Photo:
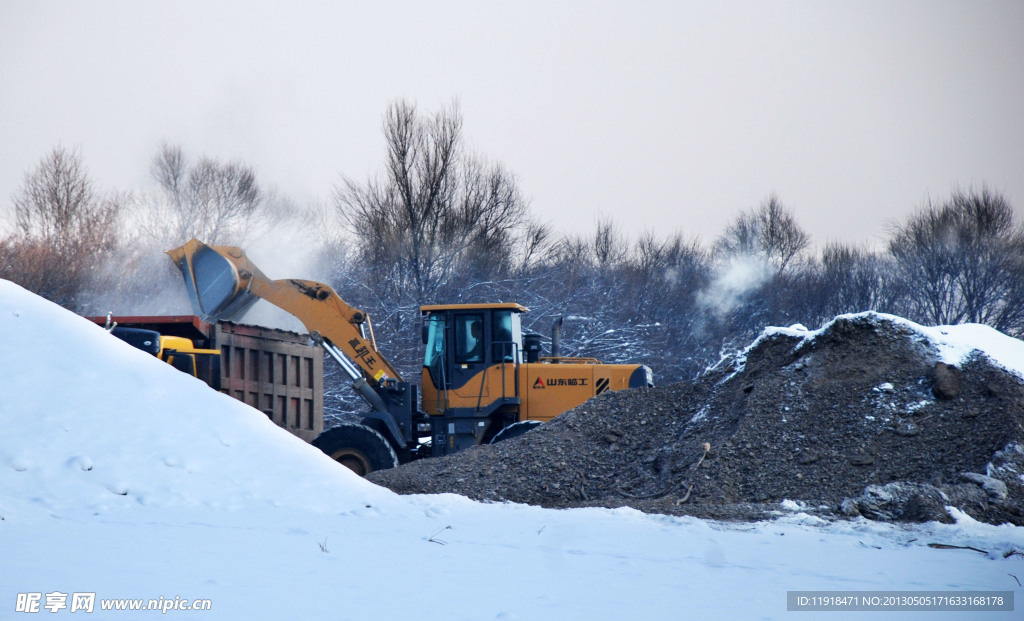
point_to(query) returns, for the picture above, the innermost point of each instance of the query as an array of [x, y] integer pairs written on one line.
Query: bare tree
[[63, 229], [962, 261], [57, 204], [853, 279], [770, 232], [597, 256], [664, 276], [209, 199], [168, 169], [436, 212], [535, 242]]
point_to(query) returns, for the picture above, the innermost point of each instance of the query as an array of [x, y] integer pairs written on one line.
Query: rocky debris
[[863, 419], [917, 502], [996, 489], [914, 502], [945, 381]]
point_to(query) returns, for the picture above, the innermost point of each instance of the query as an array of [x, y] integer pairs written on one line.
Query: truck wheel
[[357, 447], [515, 430]]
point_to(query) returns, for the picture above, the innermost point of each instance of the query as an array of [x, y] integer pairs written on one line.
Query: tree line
[[441, 224]]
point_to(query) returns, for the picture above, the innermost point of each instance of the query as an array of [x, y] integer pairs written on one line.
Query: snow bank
[[92, 423]]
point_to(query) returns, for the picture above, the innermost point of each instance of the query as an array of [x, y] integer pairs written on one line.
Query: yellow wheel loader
[[483, 380]]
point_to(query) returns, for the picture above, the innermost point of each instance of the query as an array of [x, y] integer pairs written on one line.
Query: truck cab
[[179, 352]]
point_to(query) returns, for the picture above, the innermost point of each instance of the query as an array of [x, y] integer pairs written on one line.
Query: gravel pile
[[863, 419]]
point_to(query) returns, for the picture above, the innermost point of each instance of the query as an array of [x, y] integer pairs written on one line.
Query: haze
[[662, 116]]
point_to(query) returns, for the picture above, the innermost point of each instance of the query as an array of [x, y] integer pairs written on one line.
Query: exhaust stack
[[556, 338]]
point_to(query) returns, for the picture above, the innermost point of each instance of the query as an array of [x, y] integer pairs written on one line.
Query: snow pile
[[93, 423], [124, 479]]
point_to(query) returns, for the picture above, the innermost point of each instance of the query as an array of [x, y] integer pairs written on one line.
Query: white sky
[[662, 116]]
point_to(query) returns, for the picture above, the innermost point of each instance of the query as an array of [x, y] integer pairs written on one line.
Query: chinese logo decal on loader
[[562, 381]]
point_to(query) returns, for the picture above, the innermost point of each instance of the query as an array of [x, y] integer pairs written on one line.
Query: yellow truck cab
[[177, 351], [182, 354]]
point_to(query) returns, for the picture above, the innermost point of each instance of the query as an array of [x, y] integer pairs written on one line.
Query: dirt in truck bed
[[861, 419]]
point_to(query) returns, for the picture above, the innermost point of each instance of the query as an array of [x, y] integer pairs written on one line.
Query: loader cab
[[464, 339]]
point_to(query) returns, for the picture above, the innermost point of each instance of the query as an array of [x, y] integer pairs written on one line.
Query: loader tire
[[357, 447], [515, 430]]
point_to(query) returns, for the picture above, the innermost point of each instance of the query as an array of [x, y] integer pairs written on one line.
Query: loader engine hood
[[216, 288]]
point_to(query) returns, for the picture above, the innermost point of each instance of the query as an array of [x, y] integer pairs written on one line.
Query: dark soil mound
[[863, 418]]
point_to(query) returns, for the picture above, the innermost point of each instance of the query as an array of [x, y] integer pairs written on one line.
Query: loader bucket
[[212, 280]]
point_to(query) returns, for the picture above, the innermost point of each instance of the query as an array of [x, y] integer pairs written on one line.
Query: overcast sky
[[664, 116]]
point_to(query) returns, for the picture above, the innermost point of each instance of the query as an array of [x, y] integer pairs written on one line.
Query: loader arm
[[223, 284]]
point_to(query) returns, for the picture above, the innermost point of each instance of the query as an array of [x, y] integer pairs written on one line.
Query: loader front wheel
[[357, 447]]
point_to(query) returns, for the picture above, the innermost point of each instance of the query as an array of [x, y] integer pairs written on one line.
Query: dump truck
[[483, 380], [278, 372]]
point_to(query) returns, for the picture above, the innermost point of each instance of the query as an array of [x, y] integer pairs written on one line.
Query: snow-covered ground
[[125, 479]]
